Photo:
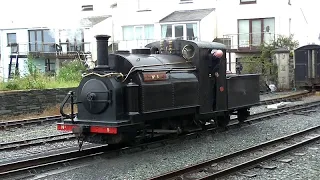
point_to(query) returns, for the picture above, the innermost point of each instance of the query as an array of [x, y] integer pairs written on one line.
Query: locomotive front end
[[99, 100]]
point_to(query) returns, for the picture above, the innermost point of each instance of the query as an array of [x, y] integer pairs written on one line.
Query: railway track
[[69, 136], [287, 98], [67, 156], [58, 118], [250, 157], [23, 122], [13, 145]]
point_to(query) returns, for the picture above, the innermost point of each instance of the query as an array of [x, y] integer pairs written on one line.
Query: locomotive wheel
[[243, 114], [223, 121]]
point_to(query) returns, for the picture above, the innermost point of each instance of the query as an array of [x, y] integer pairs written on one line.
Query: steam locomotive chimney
[[102, 51]]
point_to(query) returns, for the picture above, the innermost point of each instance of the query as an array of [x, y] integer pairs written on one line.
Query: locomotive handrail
[[175, 70], [151, 65], [162, 69], [69, 95], [104, 75]]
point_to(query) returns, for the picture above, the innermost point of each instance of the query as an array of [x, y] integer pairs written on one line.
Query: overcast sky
[[50, 13]]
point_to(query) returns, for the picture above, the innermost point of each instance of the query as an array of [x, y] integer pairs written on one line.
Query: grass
[[40, 83], [69, 76], [50, 111]]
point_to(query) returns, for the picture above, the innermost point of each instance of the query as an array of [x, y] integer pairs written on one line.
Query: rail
[[23, 122], [24, 166], [265, 148], [35, 141], [57, 118], [287, 98]]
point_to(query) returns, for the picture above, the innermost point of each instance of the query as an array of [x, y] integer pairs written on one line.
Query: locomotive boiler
[[170, 86]]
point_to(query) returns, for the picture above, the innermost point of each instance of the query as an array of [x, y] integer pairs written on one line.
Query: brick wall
[[30, 101]]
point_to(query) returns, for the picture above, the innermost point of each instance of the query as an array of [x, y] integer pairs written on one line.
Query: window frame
[[184, 24], [36, 41], [185, 1], [11, 43], [249, 2], [250, 46], [134, 38], [48, 64]]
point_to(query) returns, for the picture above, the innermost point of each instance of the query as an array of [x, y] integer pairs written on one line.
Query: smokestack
[[102, 50]]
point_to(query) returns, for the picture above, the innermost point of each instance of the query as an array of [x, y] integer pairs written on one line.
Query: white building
[[49, 46], [244, 24], [136, 23], [240, 24]]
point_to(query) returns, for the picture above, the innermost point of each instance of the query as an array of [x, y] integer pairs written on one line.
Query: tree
[[263, 63]]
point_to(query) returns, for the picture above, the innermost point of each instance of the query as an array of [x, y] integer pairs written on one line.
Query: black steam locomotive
[[170, 86]]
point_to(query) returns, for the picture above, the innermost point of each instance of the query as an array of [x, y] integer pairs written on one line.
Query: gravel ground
[[6, 156], [303, 164], [150, 163], [28, 132]]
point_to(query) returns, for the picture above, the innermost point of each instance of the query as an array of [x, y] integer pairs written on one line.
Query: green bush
[[71, 71], [69, 76]]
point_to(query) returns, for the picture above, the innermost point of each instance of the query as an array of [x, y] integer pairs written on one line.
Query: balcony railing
[[49, 48], [247, 41]]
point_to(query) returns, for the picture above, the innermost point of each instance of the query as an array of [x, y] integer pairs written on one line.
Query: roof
[[93, 20], [187, 15], [307, 47]]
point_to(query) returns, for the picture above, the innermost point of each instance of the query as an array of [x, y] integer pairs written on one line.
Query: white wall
[[22, 37], [126, 12], [104, 27], [229, 11], [208, 27]]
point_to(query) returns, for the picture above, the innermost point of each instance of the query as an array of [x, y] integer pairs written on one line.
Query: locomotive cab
[[213, 96]]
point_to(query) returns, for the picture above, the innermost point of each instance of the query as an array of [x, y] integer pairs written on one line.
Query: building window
[[72, 39], [87, 8], [254, 32], [145, 32], [49, 65], [41, 40], [248, 1], [187, 31], [186, 1], [12, 38]]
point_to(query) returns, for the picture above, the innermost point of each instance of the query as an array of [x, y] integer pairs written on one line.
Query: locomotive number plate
[[154, 76]]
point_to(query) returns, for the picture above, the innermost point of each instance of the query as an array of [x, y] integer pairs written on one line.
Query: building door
[[301, 65], [256, 32]]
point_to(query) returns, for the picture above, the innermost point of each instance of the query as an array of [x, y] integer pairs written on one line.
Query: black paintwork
[[191, 87], [307, 72], [210, 95], [242, 90], [102, 50]]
